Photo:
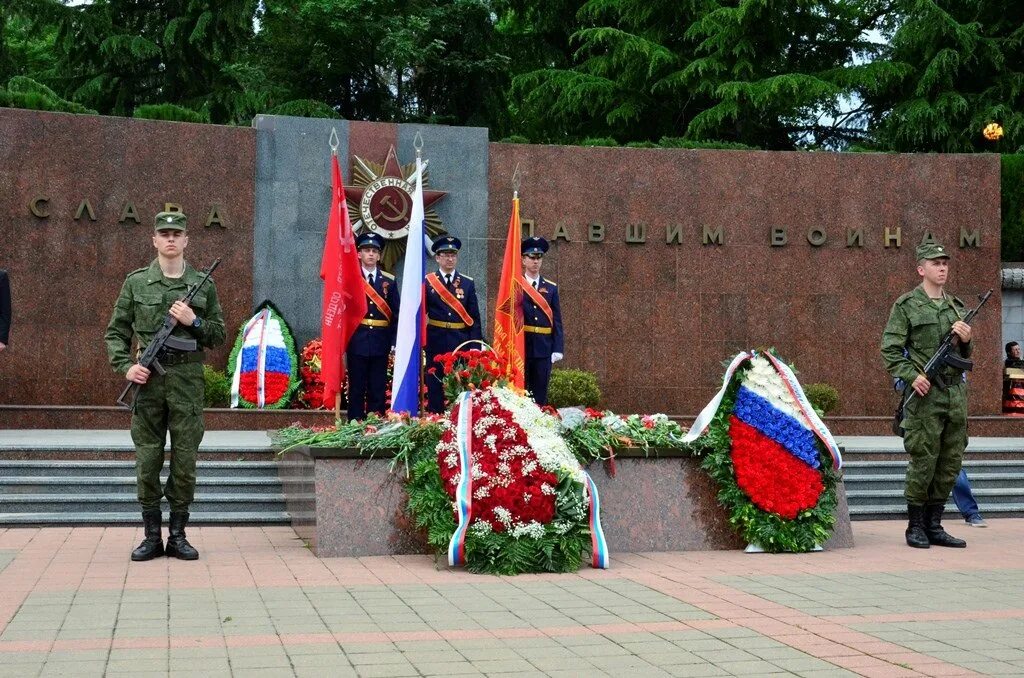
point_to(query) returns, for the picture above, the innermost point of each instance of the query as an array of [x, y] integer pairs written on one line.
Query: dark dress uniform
[[372, 343], [542, 337], [446, 330], [171, 402], [935, 425]]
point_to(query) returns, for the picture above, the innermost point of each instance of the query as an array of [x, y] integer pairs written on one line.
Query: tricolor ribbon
[[703, 419], [264, 316], [598, 545], [464, 490], [261, 361], [811, 417]]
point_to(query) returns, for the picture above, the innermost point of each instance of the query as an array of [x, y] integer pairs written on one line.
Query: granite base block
[[346, 505]]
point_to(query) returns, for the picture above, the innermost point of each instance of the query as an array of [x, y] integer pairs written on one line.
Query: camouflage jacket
[[145, 298], [918, 324]]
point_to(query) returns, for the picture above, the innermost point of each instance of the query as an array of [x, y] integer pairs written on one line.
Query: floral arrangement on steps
[[311, 388], [774, 460], [263, 365]]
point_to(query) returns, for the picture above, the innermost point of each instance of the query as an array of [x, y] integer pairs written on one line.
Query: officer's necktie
[[534, 284], [447, 280], [369, 278]]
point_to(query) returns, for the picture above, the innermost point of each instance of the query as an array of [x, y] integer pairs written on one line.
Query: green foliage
[[762, 73], [599, 141], [680, 142], [1013, 207], [170, 112], [570, 388], [304, 108], [958, 66], [824, 397], [24, 92], [218, 387]]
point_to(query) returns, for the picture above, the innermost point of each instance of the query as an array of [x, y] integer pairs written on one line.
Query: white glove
[[555, 357]]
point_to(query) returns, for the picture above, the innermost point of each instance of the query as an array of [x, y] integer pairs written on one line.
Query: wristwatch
[[197, 323]]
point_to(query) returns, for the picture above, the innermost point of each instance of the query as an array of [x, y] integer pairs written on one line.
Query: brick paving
[[259, 603]]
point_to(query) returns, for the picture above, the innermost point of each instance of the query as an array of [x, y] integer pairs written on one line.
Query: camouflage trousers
[[935, 435], [169, 403]]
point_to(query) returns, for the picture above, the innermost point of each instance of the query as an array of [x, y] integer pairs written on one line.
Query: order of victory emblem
[[382, 197]]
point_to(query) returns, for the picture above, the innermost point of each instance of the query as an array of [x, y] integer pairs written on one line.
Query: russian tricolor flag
[[405, 388]]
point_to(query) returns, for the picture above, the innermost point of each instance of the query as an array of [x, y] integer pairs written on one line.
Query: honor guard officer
[[374, 339], [542, 316], [453, 316], [935, 420], [171, 402]]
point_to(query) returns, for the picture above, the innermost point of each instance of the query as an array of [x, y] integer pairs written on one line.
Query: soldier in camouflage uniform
[[173, 401], [935, 420]]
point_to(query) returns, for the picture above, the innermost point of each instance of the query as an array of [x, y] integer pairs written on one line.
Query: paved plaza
[[259, 603]]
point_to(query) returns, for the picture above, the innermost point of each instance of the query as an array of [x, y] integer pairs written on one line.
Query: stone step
[[859, 469], [951, 516], [133, 518], [986, 496], [876, 448], [127, 502], [124, 484], [111, 468], [890, 481]]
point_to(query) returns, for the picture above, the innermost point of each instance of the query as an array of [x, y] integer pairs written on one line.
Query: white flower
[[530, 529], [451, 460], [572, 417], [482, 492], [546, 488], [480, 527], [503, 514]]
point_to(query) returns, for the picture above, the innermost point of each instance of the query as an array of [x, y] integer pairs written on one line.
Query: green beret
[[931, 251], [170, 221]]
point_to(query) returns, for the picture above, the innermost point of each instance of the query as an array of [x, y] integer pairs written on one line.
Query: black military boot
[[153, 545], [916, 536], [933, 528], [177, 545]]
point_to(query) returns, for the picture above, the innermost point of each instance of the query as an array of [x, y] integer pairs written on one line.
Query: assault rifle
[[150, 358], [944, 356]]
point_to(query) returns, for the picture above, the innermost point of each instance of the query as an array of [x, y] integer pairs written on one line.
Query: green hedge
[[171, 112], [1013, 207], [572, 388]]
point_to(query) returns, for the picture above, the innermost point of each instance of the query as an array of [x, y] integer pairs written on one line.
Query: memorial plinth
[[344, 504]]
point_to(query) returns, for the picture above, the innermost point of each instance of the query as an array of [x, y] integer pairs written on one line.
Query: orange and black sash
[[537, 298], [373, 296], [447, 297]]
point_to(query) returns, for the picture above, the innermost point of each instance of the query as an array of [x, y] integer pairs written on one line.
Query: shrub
[[218, 387], [679, 142], [26, 93], [569, 388], [599, 141], [171, 112], [824, 397], [304, 108]]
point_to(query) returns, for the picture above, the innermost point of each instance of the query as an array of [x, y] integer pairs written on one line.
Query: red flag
[[509, 335], [344, 303]]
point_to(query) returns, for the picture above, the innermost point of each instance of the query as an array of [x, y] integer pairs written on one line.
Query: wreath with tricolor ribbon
[[263, 364], [774, 459]]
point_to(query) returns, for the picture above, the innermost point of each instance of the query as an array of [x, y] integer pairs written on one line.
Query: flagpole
[[334, 142], [417, 143]]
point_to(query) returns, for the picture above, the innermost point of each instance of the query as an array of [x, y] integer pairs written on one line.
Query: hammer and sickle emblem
[[401, 212]]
